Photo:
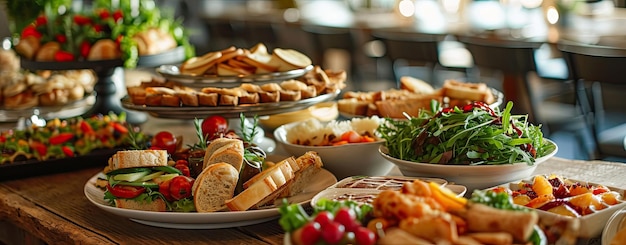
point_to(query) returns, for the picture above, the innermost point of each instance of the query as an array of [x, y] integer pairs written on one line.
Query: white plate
[[179, 220]]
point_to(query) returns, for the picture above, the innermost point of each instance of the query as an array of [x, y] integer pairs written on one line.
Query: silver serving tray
[[251, 110], [72, 109], [172, 72]]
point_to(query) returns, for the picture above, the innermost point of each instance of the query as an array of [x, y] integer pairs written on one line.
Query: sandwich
[[143, 180]]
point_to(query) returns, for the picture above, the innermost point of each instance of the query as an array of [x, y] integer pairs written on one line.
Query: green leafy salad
[[474, 134]]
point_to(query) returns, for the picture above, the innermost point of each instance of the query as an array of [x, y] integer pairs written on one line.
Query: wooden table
[[54, 209]]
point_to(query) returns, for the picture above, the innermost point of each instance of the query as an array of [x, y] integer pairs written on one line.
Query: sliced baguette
[[213, 186], [255, 193], [136, 158], [224, 150], [157, 205], [289, 59], [286, 173], [307, 165]]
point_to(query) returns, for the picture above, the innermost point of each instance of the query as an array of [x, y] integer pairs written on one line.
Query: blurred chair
[[513, 60], [326, 39], [599, 75], [410, 52]]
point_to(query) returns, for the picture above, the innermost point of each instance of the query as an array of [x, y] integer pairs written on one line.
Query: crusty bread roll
[[136, 158], [224, 150], [469, 91], [208, 99], [156, 205], [415, 85], [104, 49], [289, 59], [213, 186], [154, 41], [28, 47], [47, 51]]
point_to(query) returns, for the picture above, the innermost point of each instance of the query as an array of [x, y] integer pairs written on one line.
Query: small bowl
[[589, 226], [324, 112], [343, 160], [473, 177]]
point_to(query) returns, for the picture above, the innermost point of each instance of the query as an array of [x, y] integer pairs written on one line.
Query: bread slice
[[213, 186], [469, 91], [289, 59], [157, 205], [136, 158], [255, 193], [416, 85], [308, 165], [286, 172], [224, 150]]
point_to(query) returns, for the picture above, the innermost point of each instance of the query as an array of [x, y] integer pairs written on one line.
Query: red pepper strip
[[63, 56], [61, 138], [81, 20], [120, 128], [39, 147], [67, 151], [86, 128]]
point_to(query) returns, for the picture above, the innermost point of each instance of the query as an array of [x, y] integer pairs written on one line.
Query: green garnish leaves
[[473, 134]]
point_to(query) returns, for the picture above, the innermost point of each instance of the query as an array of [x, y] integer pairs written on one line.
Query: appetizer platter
[[64, 145], [173, 73], [228, 111], [213, 220], [560, 201], [415, 95], [236, 65]]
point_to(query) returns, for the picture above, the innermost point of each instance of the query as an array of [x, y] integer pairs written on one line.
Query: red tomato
[[164, 140], [125, 191], [213, 126], [180, 187], [183, 168], [164, 188]]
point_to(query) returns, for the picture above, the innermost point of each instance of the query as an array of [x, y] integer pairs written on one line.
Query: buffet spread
[[227, 180]]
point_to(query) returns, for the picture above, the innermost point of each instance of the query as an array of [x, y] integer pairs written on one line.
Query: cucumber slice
[[130, 177], [168, 169], [127, 171], [150, 176], [165, 177], [146, 184]]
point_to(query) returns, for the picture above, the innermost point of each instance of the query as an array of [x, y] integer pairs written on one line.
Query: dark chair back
[[412, 49], [514, 59], [593, 68]]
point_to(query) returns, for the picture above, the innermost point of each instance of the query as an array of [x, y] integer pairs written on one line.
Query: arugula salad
[[474, 134]]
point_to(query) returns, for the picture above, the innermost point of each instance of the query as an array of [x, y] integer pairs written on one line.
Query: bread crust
[[136, 158], [213, 186], [224, 150]]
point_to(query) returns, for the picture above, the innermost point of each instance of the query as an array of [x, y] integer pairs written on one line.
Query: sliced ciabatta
[[214, 186], [136, 158], [224, 150]]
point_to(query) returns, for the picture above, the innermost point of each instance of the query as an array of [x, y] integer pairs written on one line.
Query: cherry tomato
[[213, 126], [311, 232], [183, 168], [164, 188], [125, 191], [323, 218], [180, 187], [347, 217], [164, 140], [333, 232], [364, 236]]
